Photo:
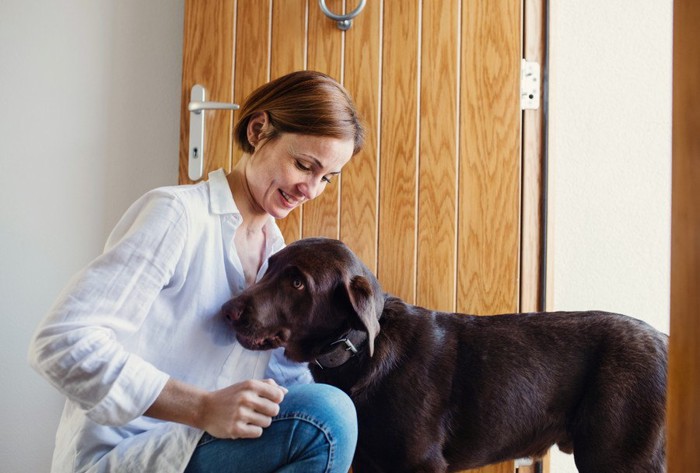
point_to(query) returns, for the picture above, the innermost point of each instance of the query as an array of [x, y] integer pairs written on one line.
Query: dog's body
[[440, 392]]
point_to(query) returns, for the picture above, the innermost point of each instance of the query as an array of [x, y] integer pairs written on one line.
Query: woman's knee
[[326, 403], [333, 414]]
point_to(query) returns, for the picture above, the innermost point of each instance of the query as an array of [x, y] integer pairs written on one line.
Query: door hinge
[[529, 85]]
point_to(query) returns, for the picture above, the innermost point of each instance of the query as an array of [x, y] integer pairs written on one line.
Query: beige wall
[[610, 158]]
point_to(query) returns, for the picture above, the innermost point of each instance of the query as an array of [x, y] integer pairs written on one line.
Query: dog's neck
[[342, 349]]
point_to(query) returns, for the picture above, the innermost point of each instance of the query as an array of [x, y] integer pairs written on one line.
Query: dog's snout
[[233, 309]]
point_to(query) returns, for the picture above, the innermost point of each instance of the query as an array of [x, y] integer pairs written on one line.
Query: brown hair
[[302, 102]]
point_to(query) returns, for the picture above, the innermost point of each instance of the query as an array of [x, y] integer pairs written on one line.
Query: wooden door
[[433, 202]]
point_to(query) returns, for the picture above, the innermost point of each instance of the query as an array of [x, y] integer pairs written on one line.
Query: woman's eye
[[302, 166], [298, 284], [305, 168]]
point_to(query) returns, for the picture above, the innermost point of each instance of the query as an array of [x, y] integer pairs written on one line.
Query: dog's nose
[[233, 309]]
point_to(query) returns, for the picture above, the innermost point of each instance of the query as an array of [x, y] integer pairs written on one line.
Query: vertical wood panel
[[288, 54], [320, 217], [288, 42], [398, 148], [359, 187], [490, 169], [252, 51], [207, 60], [489, 186], [684, 351], [438, 156]]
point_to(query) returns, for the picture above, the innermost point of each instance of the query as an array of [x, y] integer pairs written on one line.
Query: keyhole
[[195, 152]]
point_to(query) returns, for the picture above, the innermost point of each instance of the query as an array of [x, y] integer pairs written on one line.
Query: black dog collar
[[342, 349]]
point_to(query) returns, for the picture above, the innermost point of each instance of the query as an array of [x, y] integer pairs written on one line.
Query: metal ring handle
[[344, 21]]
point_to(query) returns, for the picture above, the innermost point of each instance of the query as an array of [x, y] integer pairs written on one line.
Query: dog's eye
[[298, 284]]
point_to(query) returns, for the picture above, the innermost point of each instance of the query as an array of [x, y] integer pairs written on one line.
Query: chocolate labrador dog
[[440, 392]]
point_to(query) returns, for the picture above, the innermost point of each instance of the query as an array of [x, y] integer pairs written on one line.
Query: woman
[[154, 379]]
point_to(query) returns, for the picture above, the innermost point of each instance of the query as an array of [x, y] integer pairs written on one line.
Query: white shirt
[[145, 310]]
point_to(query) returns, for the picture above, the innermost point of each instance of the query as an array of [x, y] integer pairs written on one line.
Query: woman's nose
[[312, 188]]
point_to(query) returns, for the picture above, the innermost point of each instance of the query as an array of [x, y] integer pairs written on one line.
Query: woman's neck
[[254, 217]]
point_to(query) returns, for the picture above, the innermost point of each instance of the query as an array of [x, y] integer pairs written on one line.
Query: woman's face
[[291, 169]]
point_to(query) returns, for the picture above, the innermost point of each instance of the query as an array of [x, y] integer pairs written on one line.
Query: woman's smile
[[293, 202]]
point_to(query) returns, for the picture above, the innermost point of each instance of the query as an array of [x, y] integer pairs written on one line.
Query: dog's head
[[314, 290]]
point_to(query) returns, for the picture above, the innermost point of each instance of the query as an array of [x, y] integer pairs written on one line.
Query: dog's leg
[[619, 431]]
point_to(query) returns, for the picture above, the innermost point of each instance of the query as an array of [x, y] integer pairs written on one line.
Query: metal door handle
[[197, 119], [197, 107]]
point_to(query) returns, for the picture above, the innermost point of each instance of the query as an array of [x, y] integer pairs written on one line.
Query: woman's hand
[[242, 410]]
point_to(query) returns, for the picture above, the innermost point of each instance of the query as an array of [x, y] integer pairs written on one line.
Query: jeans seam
[[326, 433]]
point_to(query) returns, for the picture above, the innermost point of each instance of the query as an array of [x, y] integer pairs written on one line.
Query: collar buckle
[[348, 345], [341, 350]]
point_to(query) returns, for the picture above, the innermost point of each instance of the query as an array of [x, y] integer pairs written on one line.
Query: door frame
[[683, 413]]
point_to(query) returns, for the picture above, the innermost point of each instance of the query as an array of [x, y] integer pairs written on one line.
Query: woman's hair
[[302, 102]]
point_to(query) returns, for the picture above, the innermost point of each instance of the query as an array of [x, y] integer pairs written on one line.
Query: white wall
[[89, 120], [610, 157]]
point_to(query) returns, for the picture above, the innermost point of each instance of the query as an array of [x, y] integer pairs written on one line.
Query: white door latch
[[196, 106], [529, 85]]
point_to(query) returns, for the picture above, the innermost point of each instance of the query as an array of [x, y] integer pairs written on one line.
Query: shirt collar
[[220, 197]]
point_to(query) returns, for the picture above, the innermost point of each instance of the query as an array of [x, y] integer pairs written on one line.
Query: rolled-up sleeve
[[78, 347]]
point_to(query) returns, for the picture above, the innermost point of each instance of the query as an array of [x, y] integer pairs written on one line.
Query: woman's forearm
[[179, 402]]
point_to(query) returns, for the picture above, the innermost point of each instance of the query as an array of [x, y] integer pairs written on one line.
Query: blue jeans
[[314, 432]]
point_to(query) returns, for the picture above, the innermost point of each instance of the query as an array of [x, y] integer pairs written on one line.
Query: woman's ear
[[257, 126]]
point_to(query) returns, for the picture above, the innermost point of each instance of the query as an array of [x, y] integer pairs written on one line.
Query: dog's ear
[[363, 300]]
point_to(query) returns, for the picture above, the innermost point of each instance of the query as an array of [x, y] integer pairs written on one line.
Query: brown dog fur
[[440, 392]]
